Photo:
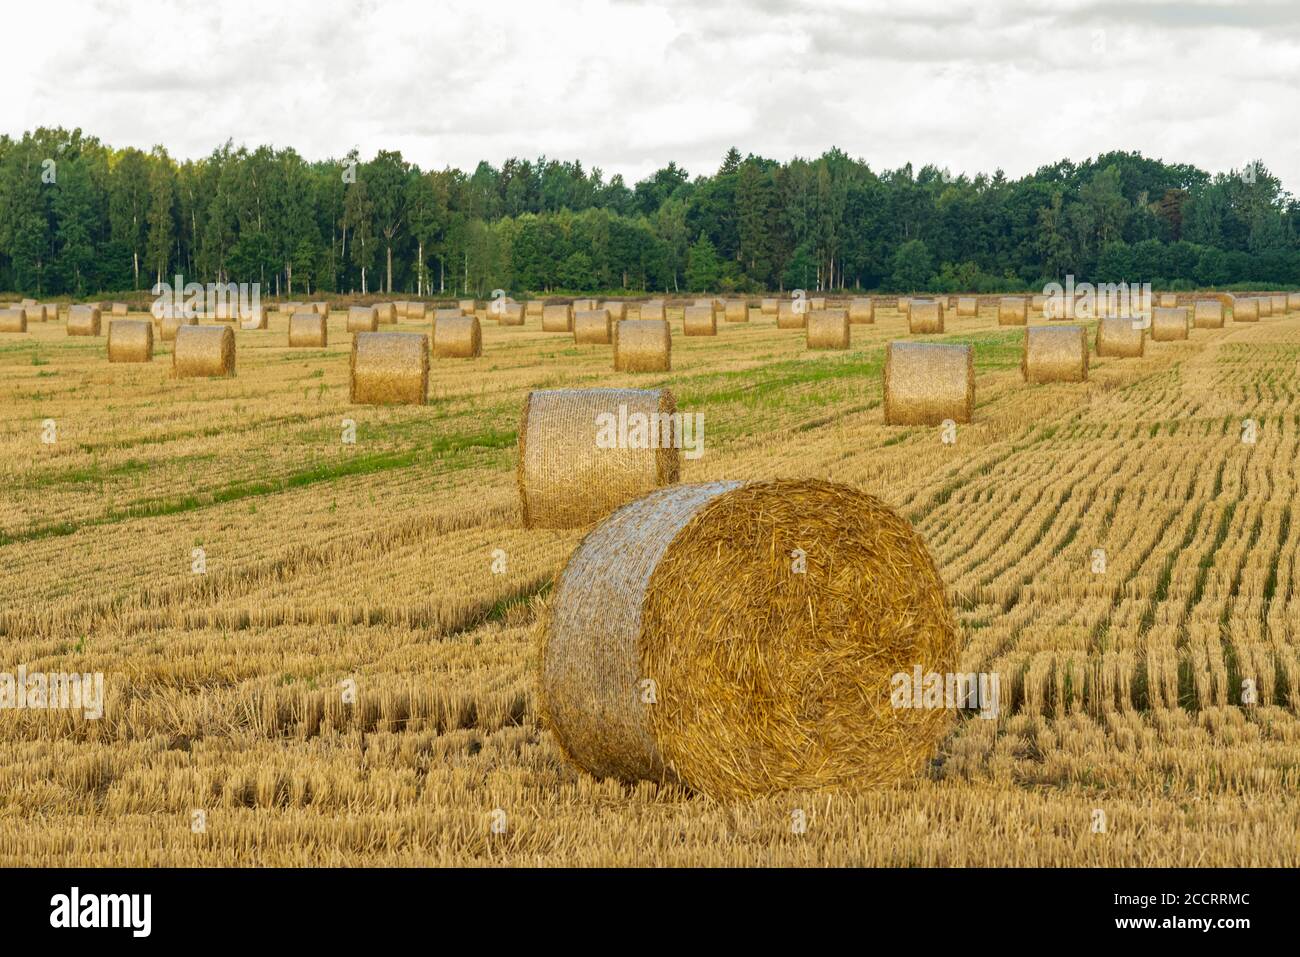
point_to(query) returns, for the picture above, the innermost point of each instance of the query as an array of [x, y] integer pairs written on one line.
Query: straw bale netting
[[968, 306], [1208, 314], [1279, 306], [653, 310], [764, 680], [643, 345], [570, 474], [533, 310], [792, 314], [1013, 311], [768, 307], [557, 317], [15, 320], [307, 329], [362, 319], [508, 313], [1167, 300], [119, 308], [467, 307], [254, 318], [1055, 354], [617, 310], [736, 310], [386, 313], [201, 351], [1245, 310], [1120, 338], [700, 321], [389, 368], [828, 329], [862, 311], [415, 310], [83, 321], [928, 382], [1168, 323], [130, 340], [925, 316], [593, 327], [460, 338]]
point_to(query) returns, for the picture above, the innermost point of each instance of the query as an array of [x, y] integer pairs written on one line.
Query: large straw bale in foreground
[[700, 321], [593, 327], [862, 311], [643, 345], [362, 319], [460, 338], [828, 329], [15, 320], [1208, 314], [83, 321], [389, 368], [792, 314], [1055, 354], [926, 383], [736, 310], [308, 329], [1120, 338], [654, 309], [130, 340], [569, 472], [1013, 311], [201, 351], [1168, 323], [1245, 309], [681, 647], [557, 317], [924, 316]]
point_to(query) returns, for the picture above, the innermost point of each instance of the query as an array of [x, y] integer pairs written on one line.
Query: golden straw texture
[[201, 351], [119, 308], [1167, 300], [1208, 314], [1245, 309], [15, 320], [736, 310], [130, 340], [862, 311], [643, 345], [926, 383], [385, 313], [1120, 338], [653, 310], [792, 314], [968, 306], [1013, 311], [460, 338], [362, 319], [924, 316], [83, 321], [593, 327], [768, 307], [557, 317], [617, 310], [467, 306], [568, 471], [700, 321], [533, 310], [828, 329], [1055, 354], [308, 329], [1168, 323], [389, 368]]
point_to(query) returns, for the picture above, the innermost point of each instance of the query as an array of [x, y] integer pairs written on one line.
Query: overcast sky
[[629, 84]]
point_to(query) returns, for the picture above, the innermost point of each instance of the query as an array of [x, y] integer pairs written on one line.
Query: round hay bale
[[570, 473], [764, 680], [459, 338], [584, 305], [168, 325], [130, 340], [119, 309], [533, 310], [467, 307], [289, 308], [557, 317], [792, 314], [415, 311], [389, 368], [1121, 338], [386, 313], [1168, 323], [451, 313], [203, 351], [593, 327], [1013, 311], [508, 314], [1055, 354], [926, 383], [1167, 300], [643, 345], [1293, 301], [1207, 314], [862, 311], [617, 310], [1265, 306], [253, 318], [903, 305], [735, 310], [924, 316], [828, 329], [323, 309], [83, 321], [27, 302], [968, 306], [1036, 303], [1245, 309], [15, 320], [768, 307], [653, 310], [1279, 305], [34, 313], [817, 304], [308, 330], [700, 321], [51, 311], [362, 319]]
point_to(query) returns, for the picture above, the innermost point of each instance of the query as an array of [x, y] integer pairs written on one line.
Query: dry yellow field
[[332, 566]]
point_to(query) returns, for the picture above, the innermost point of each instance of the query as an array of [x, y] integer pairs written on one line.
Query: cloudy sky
[[629, 84]]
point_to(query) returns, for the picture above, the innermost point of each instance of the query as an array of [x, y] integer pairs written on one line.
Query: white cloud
[[629, 85]]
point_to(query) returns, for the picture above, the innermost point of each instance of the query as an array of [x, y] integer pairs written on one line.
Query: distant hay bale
[[51, 312], [817, 304], [1208, 314], [764, 681], [700, 321], [533, 310], [203, 351], [768, 307], [119, 308], [130, 340], [449, 313], [617, 310], [928, 382], [83, 321], [557, 317], [925, 317], [1055, 354], [15, 320], [1013, 311], [1245, 309], [968, 306], [1167, 300], [709, 302], [1037, 303], [401, 305], [1265, 305], [570, 474], [828, 329], [467, 307], [862, 311], [643, 345], [308, 329], [460, 338], [1168, 323], [34, 313], [1293, 301], [323, 308], [27, 302], [1120, 338], [792, 314], [584, 305], [168, 324], [903, 305], [593, 327], [386, 313], [389, 368], [289, 308], [736, 310], [653, 310], [508, 313], [362, 319], [415, 310], [1279, 306]]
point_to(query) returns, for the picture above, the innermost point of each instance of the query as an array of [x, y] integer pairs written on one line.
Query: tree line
[[78, 217]]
